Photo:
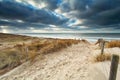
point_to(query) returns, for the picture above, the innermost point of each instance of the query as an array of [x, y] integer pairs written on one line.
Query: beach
[[59, 39], [74, 62]]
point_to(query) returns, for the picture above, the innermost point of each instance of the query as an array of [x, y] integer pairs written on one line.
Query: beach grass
[[102, 57], [20, 53], [13, 38], [9, 58], [115, 43]]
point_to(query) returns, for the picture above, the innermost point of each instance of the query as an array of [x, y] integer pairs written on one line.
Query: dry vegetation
[[49, 46], [101, 58], [9, 59], [13, 38], [12, 57], [112, 44], [107, 57]]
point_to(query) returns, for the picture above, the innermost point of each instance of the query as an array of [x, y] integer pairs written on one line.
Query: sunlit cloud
[[84, 27], [5, 31], [58, 10], [53, 26]]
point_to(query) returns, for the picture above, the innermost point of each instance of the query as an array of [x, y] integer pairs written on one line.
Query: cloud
[[64, 14], [52, 4], [70, 5], [102, 13], [28, 13], [95, 12], [107, 17], [21, 25], [49, 4]]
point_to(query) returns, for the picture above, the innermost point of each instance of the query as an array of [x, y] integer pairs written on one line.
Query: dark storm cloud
[[10, 9], [96, 12], [107, 17], [103, 12], [79, 5], [65, 6]]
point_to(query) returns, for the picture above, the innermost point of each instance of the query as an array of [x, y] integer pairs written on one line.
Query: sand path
[[71, 63]]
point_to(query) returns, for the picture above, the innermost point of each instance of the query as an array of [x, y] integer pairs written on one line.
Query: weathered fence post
[[26, 52], [113, 68], [102, 47]]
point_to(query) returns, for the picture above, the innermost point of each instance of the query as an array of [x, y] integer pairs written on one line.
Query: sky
[[63, 16]]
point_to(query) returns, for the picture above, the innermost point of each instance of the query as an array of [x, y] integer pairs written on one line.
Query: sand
[[102, 71], [72, 63]]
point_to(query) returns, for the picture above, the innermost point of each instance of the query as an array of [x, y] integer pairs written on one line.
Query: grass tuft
[[101, 58], [112, 44]]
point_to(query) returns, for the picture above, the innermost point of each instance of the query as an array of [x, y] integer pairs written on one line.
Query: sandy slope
[[73, 63], [102, 69], [68, 64]]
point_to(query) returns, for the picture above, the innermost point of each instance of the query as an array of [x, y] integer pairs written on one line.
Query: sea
[[88, 36]]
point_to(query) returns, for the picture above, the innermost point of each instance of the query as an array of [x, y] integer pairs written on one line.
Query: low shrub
[[112, 44], [101, 58]]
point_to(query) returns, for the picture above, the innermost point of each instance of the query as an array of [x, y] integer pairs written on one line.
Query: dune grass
[[115, 43], [13, 38], [52, 46], [10, 58], [101, 58]]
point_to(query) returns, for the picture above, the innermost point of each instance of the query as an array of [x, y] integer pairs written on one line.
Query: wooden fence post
[[102, 47], [26, 52], [113, 68]]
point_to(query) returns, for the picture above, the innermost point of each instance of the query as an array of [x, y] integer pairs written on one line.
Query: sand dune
[[72, 63], [69, 64]]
